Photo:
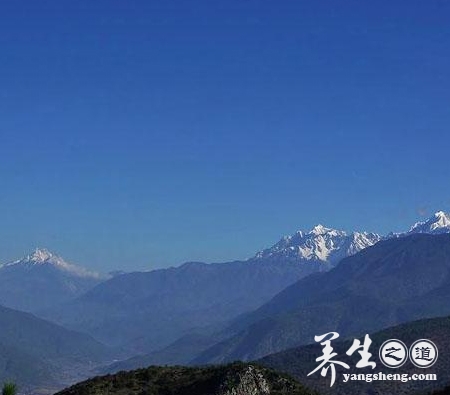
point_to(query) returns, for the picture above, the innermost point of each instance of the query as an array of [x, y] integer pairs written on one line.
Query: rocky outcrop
[[252, 382]]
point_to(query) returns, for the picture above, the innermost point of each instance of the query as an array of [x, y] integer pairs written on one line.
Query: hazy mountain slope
[[28, 370], [235, 379], [41, 280], [300, 361], [149, 310], [180, 352], [381, 286], [35, 351], [45, 338]]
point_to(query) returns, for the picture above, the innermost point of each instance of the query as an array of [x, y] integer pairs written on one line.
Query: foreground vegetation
[[9, 389], [233, 379]]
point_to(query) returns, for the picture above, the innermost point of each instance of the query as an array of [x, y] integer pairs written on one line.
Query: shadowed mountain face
[[36, 353], [395, 281], [235, 379], [300, 361], [42, 280]]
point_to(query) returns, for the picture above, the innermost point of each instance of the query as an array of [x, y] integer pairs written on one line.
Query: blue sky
[[143, 134]]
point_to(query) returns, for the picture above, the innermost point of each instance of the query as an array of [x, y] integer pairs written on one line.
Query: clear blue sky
[[141, 134]]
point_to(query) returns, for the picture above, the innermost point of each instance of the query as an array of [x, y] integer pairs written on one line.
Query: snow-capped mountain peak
[[438, 223], [42, 256], [320, 244], [329, 245], [321, 230]]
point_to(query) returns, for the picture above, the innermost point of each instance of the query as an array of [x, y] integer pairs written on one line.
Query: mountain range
[[329, 245], [202, 313], [395, 281], [187, 348], [319, 244], [146, 311], [42, 279]]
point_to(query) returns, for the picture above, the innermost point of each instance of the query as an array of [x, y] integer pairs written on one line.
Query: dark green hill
[[298, 362], [234, 379]]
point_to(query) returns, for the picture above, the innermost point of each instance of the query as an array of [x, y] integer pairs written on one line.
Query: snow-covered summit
[[322, 230], [42, 256], [320, 244], [438, 223], [329, 245]]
